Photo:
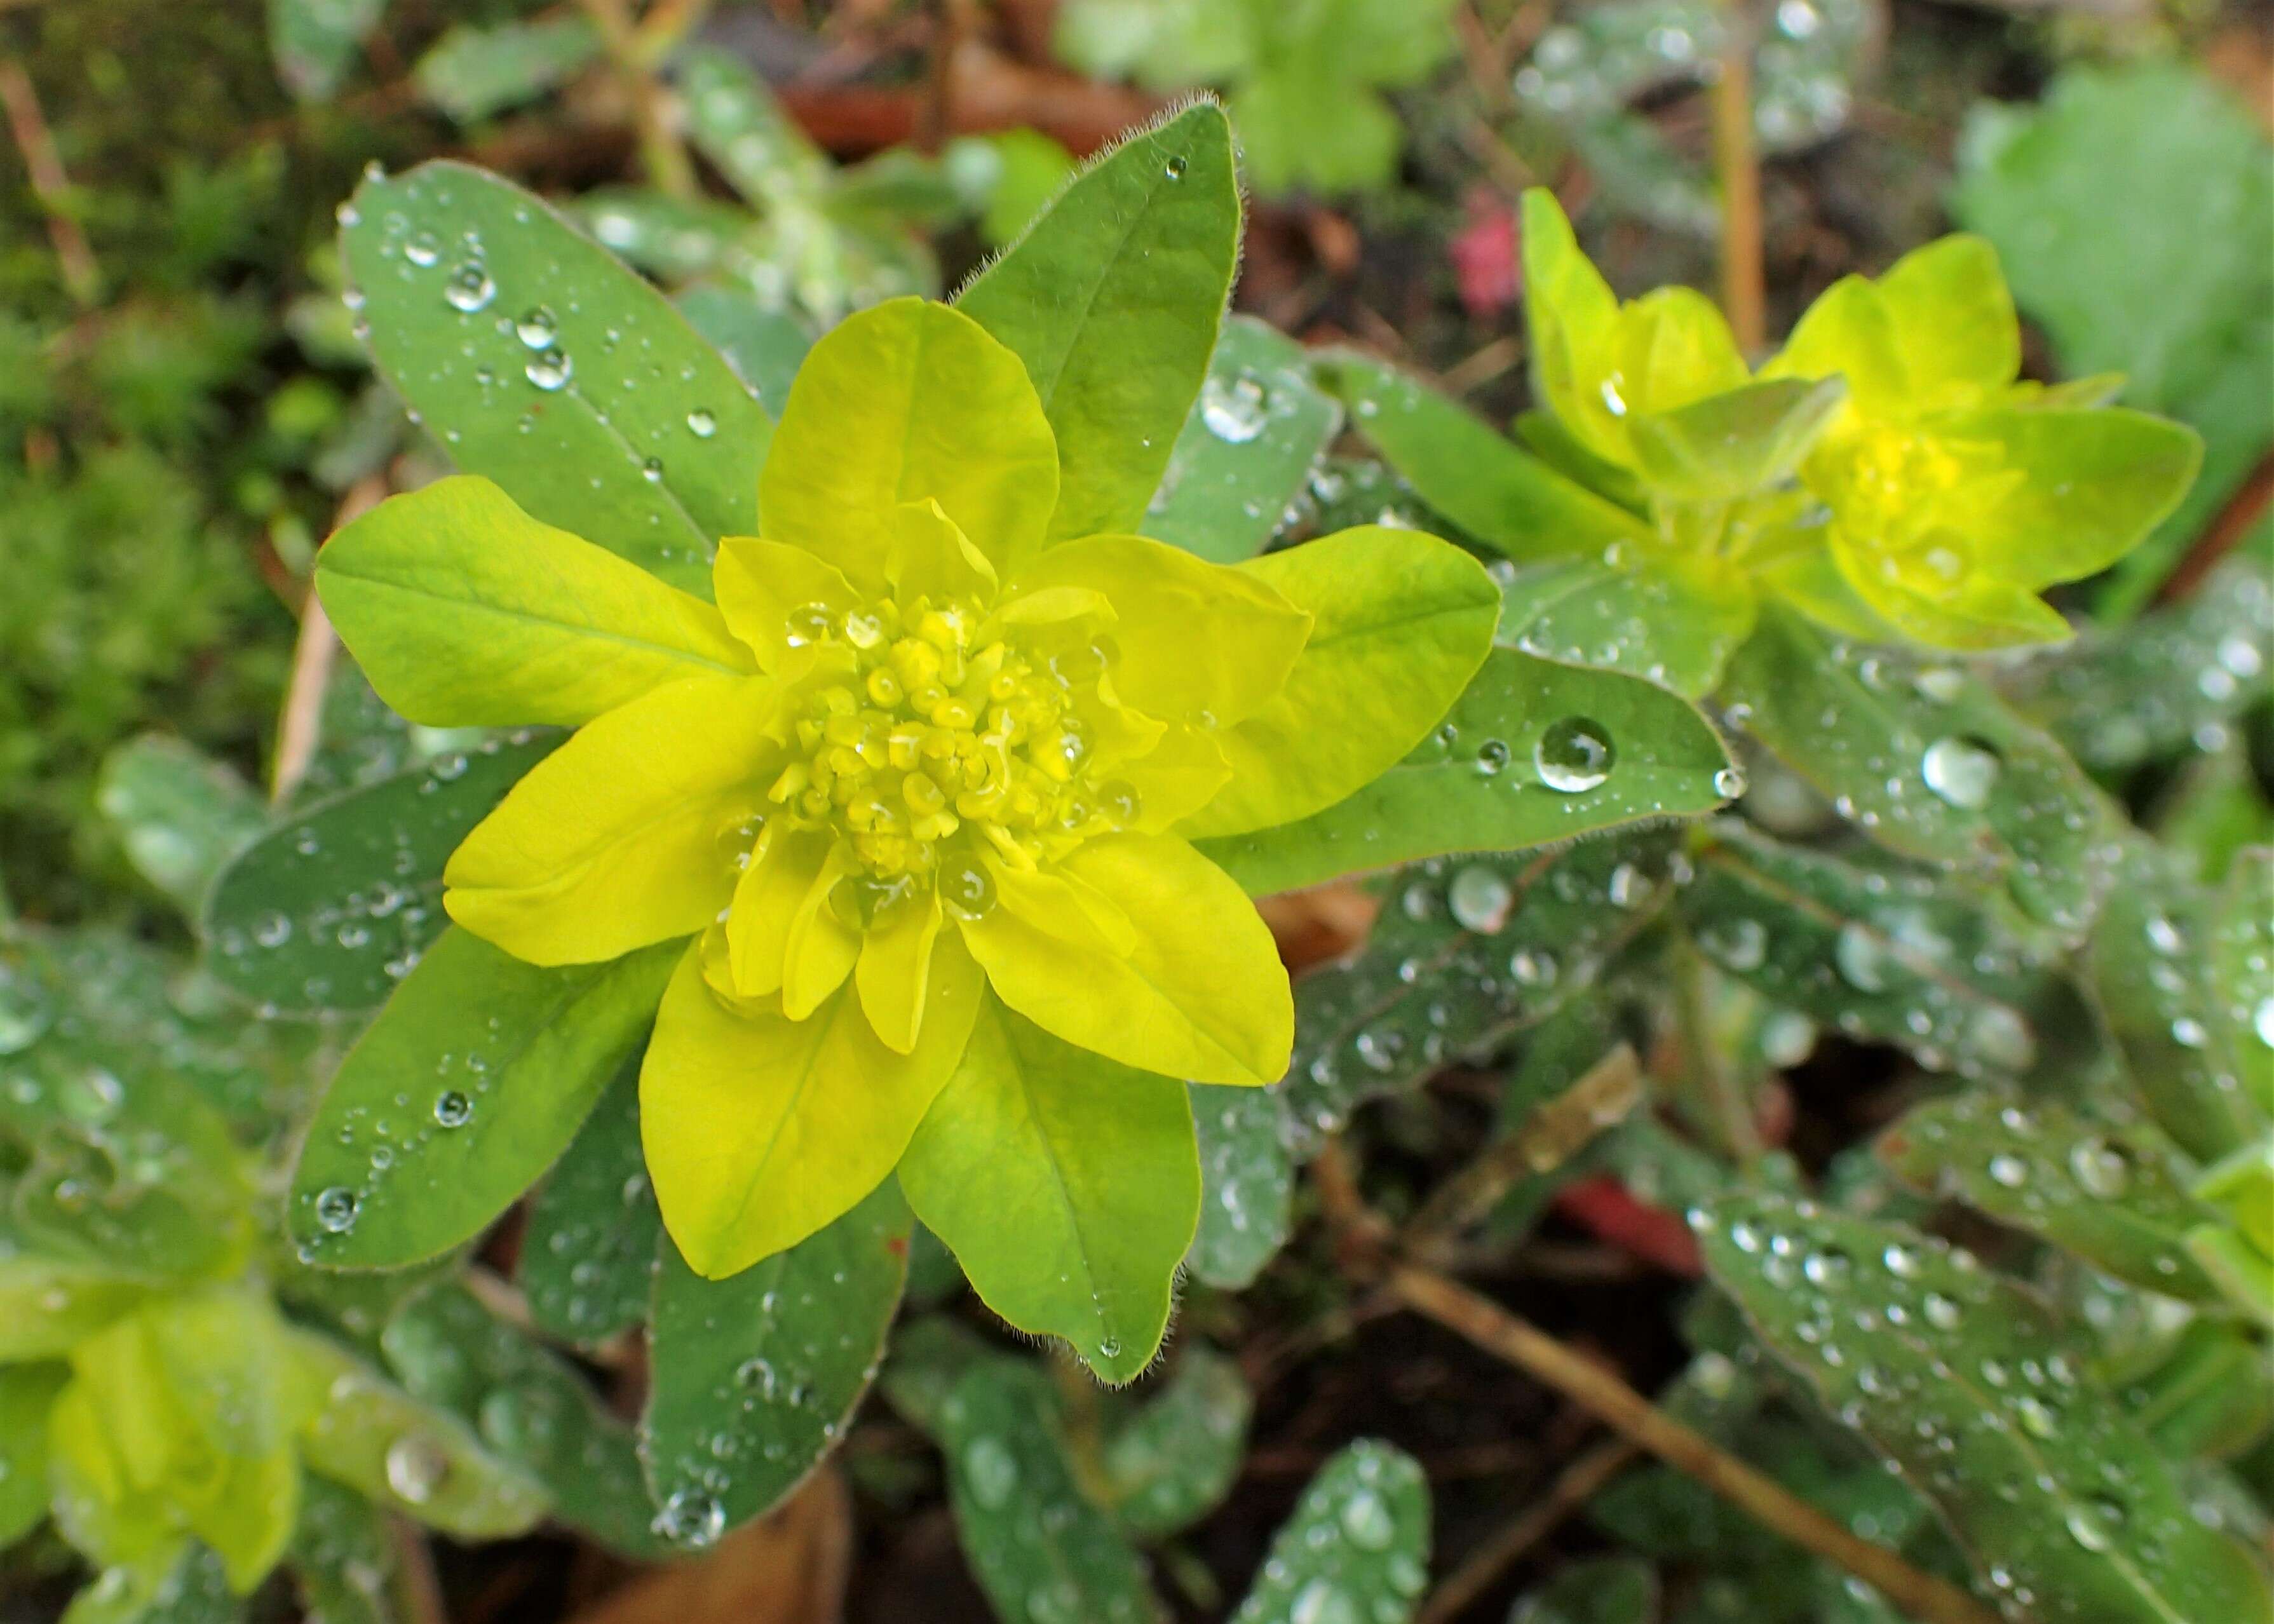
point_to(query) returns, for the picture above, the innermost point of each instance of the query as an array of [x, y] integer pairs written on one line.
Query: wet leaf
[[528, 350], [1038, 1548], [588, 1256], [2150, 963], [928, 1357], [1468, 952], [471, 1081], [530, 1408], [765, 347], [1247, 1183], [2105, 1194], [26, 1392], [1532, 753], [1974, 1389], [316, 41], [757, 1376], [471, 72], [1879, 951], [181, 815], [1356, 1547], [2241, 939], [343, 1556], [1931, 764], [1171, 1462], [1247, 450], [1665, 619], [332, 908]]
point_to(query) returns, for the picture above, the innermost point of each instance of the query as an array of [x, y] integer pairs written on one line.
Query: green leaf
[[1247, 448], [27, 1392], [1467, 953], [672, 239], [181, 815], [529, 1407], [1533, 752], [371, 1435], [1247, 1183], [2105, 1194], [2242, 962], [1172, 1462], [1506, 499], [1873, 950], [1357, 1546], [1112, 298], [47, 1306], [539, 361], [1667, 618], [471, 72], [1602, 1589], [182, 1583], [1974, 1393], [929, 1356], [2213, 1397], [465, 611], [765, 346], [1401, 622], [734, 121], [1731, 444], [316, 41], [1066, 1184], [332, 908], [588, 1256], [757, 1377], [1928, 762], [343, 1556], [2151, 970], [1026, 1530], [471, 1081], [2153, 688]]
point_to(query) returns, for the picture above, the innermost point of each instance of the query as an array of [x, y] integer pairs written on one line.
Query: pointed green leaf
[[1026, 1529], [2207, 1082], [181, 815], [1533, 752], [1501, 495], [539, 361], [27, 1392], [1871, 949], [1247, 1183], [588, 1257], [1171, 1462], [409, 1456], [316, 41], [331, 908], [1066, 1184], [757, 1376], [2107, 1195], [1974, 1392], [1468, 952], [1927, 762], [1247, 448], [1357, 1546], [1667, 618], [471, 1081], [1112, 298], [471, 72], [530, 1407], [736, 122]]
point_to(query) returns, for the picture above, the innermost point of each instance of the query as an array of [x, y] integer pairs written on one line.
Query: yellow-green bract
[[918, 793]]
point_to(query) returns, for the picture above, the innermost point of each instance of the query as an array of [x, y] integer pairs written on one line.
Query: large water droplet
[[422, 250], [1234, 411], [968, 889], [701, 424], [537, 329], [691, 1518], [1960, 771], [416, 1467], [453, 1109], [1861, 959], [2009, 1171], [469, 290], [1575, 754], [1319, 1602], [1366, 1518], [549, 370], [336, 1209], [1480, 899], [2101, 1168]]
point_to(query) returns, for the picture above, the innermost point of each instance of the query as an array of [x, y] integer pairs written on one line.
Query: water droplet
[[453, 1109], [1960, 771], [1740, 943], [25, 1011], [991, 1470], [1492, 755], [691, 1518], [2262, 1022], [1480, 899], [1861, 959], [1175, 167], [1532, 969], [968, 889], [537, 330], [701, 424], [422, 250], [1575, 754], [469, 290], [2009, 1171], [1366, 1518], [1320, 1603], [1235, 412], [549, 370], [336, 1209], [1730, 783], [416, 1467]]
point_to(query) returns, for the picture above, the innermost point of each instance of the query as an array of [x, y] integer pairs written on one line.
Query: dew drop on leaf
[[336, 1209], [1960, 771], [1574, 755], [1480, 899]]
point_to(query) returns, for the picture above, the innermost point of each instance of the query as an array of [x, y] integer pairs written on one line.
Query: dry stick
[[313, 652], [1737, 165], [1573, 1486], [417, 1591], [1503, 1334], [82, 277]]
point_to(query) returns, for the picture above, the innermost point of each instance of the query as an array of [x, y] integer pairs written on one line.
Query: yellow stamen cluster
[[1918, 493], [932, 732]]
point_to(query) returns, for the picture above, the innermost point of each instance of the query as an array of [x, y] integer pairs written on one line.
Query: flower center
[[930, 737]]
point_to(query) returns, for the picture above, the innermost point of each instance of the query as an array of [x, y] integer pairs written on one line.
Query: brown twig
[[1736, 164], [417, 1591], [300, 726], [2234, 520], [1573, 1486], [82, 276], [1602, 1393]]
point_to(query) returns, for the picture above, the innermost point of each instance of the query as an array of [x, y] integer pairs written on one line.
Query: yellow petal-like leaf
[[760, 584]]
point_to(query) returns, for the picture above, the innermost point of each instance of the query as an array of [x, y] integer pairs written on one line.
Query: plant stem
[[300, 727], [1589, 1385], [1736, 164], [1575, 1486], [663, 155], [82, 277]]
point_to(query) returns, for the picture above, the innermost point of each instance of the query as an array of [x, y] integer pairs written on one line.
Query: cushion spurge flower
[[919, 791]]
